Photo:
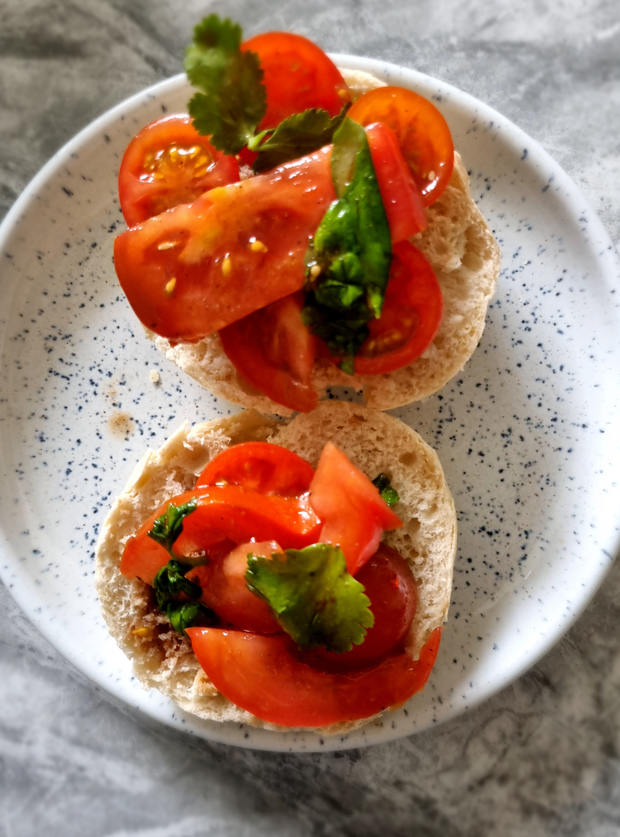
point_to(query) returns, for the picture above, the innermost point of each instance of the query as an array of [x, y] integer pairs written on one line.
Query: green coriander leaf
[[348, 261], [231, 100], [384, 487], [170, 584], [314, 598], [169, 525], [186, 614], [295, 136]]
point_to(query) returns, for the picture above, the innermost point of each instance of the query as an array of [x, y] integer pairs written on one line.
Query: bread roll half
[[373, 441], [466, 261]]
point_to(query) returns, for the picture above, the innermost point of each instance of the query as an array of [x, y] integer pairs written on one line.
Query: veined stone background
[[539, 758]]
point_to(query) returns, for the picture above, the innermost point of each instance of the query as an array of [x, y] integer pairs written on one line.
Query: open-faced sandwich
[[302, 229], [295, 573]]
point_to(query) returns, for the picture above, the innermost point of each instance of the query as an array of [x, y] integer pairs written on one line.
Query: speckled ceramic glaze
[[528, 433]]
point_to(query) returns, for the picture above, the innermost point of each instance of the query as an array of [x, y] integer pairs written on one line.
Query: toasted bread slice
[[375, 442], [466, 261]]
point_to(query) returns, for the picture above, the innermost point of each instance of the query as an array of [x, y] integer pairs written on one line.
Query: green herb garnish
[[313, 596], [348, 261], [169, 525], [384, 487], [176, 596], [231, 101]]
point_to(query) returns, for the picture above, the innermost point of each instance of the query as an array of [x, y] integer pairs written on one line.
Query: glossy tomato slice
[[410, 317], [354, 513], [259, 466], [224, 589], [265, 676], [197, 268], [393, 595], [297, 75], [400, 194], [274, 351], [223, 513], [167, 163], [422, 132]]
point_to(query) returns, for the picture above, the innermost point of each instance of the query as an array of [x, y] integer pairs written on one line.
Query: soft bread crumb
[[374, 441]]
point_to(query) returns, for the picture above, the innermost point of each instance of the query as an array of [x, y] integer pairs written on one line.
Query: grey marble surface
[[541, 757]]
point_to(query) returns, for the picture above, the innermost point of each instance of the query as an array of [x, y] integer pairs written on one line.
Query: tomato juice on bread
[[225, 593], [254, 285]]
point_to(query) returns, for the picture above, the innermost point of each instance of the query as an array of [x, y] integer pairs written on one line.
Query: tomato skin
[[259, 466], [422, 132], [393, 595], [354, 513], [198, 267], [224, 589], [401, 196], [223, 513], [167, 163], [297, 75], [264, 675], [410, 318], [275, 352]]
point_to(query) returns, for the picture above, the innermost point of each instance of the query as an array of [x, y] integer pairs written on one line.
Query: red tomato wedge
[[393, 595], [410, 318], [354, 513], [297, 75], [223, 513], [198, 267], [275, 352], [265, 676], [259, 466], [225, 591], [422, 133], [400, 194], [167, 163]]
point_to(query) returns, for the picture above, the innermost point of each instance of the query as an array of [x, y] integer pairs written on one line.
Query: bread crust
[[375, 442], [466, 259]]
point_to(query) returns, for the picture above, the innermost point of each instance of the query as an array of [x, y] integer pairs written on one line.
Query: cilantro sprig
[[314, 598], [231, 100], [348, 260], [175, 595]]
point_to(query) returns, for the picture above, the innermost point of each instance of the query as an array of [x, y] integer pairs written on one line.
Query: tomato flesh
[[410, 318], [259, 466], [223, 513], [265, 676], [297, 75], [224, 589], [275, 352], [400, 194], [199, 267], [392, 591], [422, 132], [354, 513], [167, 163]]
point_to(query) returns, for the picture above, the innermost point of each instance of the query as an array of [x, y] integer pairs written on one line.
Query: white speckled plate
[[528, 434]]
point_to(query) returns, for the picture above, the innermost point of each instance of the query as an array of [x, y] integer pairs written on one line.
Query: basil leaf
[[384, 487]]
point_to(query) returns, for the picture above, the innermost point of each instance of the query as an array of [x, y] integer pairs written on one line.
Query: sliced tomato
[[265, 676], [224, 589], [400, 194], [275, 352], [393, 595], [410, 317], [259, 466], [422, 132], [224, 512], [297, 75], [167, 163], [354, 513], [197, 268]]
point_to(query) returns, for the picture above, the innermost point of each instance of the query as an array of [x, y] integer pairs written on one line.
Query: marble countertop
[[542, 756]]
